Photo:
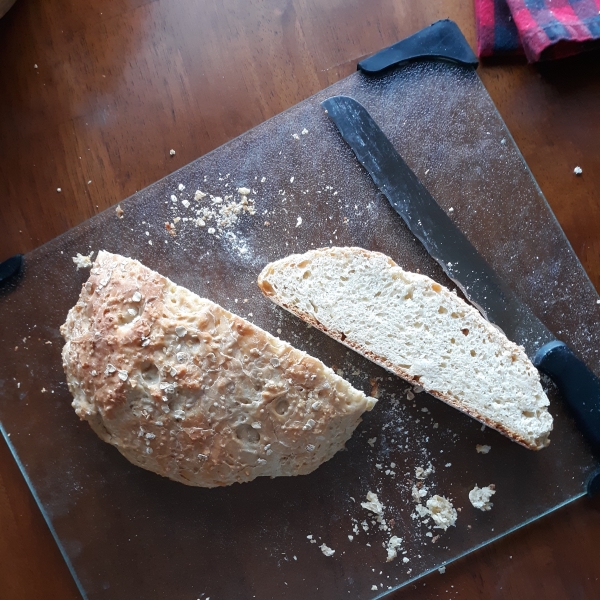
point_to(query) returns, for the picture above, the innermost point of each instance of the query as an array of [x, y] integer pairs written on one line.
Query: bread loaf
[[188, 390], [419, 330]]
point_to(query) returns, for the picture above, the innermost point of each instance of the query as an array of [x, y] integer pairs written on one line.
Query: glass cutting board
[[128, 533]]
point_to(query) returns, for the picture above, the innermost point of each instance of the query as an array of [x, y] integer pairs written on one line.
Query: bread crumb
[[442, 512], [83, 262], [482, 448], [423, 473], [374, 388], [304, 131], [181, 187], [374, 588], [578, 170], [199, 195], [170, 227], [299, 220], [244, 191], [172, 152], [295, 136], [392, 548], [119, 211], [350, 537], [442, 570], [326, 550], [59, 190], [480, 497], [371, 441]]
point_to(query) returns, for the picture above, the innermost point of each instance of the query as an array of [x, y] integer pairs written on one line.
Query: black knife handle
[[441, 41], [579, 387]]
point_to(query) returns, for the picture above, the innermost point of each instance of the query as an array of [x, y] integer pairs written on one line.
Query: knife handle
[[579, 387]]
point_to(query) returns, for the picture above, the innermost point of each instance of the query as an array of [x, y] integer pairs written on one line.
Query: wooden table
[[94, 94]]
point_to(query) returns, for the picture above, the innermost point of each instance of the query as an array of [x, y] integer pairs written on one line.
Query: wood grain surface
[[94, 94]]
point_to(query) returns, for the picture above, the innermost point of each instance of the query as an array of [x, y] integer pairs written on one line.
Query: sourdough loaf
[[419, 330], [188, 390]]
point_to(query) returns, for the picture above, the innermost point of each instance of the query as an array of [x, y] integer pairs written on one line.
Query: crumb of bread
[[371, 441], [83, 262], [295, 136], [326, 550], [442, 512], [442, 570], [578, 170], [59, 190], [181, 187], [424, 472], [119, 211], [480, 497], [244, 191], [304, 131], [374, 588], [372, 504], [298, 221], [392, 548], [483, 448], [172, 152]]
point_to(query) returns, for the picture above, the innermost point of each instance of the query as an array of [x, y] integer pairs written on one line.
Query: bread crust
[[186, 389], [494, 335]]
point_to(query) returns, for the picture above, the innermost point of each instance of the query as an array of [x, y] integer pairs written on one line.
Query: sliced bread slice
[[417, 329]]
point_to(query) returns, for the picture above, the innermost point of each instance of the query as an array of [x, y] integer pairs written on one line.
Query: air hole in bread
[[150, 373], [342, 336], [452, 341], [473, 353], [465, 331], [442, 310], [528, 414], [408, 295], [306, 275], [315, 309], [282, 407], [247, 434], [436, 287]]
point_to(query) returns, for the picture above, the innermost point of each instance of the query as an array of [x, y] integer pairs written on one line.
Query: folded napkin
[[541, 29]]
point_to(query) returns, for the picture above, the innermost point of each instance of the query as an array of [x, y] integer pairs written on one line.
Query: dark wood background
[[94, 94]]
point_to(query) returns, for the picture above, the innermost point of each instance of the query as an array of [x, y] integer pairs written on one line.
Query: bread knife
[[578, 385]]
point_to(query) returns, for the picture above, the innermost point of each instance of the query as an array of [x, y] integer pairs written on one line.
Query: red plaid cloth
[[542, 29]]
